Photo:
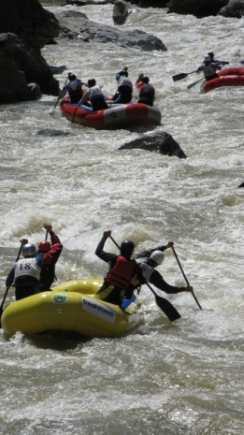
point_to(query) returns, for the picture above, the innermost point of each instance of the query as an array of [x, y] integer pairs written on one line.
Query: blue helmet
[[29, 250]]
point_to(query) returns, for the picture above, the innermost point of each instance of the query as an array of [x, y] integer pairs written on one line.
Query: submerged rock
[[52, 133], [120, 11], [161, 142]]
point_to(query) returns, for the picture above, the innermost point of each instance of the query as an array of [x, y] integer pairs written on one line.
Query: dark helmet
[[211, 54], [91, 82], [71, 76], [44, 246], [124, 73], [127, 248], [145, 79]]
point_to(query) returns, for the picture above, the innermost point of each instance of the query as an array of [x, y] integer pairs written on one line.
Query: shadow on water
[[56, 340]]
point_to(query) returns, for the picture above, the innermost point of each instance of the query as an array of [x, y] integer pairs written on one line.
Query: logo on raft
[[98, 309], [59, 299]]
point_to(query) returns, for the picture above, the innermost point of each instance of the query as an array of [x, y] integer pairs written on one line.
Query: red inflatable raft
[[117, 116], [227, 77]]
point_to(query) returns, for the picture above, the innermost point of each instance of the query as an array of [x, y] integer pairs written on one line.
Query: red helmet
[[44, 246]]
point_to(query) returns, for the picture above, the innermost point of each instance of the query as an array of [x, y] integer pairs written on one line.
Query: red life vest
[[121, 273]]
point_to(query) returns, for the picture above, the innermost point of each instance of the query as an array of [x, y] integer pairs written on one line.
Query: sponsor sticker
[[59, 299], [98, 309]]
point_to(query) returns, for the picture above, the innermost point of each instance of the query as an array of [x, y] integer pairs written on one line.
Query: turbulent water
[[170, 379]]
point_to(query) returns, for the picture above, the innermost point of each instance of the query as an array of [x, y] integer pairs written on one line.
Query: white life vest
[[27, 266], [94, 91], [208, 70], [146, 269], [125, 81]]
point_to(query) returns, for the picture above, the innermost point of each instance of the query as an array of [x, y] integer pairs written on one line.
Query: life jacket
[[95, 91], [27, 267], [209, 69], [146, 269], [121, 273], [125, 81], [147, 92], [75, 92]]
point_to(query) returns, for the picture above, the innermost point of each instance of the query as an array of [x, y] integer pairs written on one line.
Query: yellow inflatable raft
[[72, 306]]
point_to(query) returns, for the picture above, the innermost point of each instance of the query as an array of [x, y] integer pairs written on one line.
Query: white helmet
[[157, 256], [29, 250]]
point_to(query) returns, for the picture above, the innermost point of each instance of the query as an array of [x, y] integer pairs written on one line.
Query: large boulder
[[234, 9], [151, 3], [76, 25], [88, 2], [20, 66], [29, 20], [199, 8], [161, 142], [25, 28]]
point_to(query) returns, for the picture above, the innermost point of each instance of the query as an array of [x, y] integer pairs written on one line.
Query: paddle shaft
[[74, 115], [7, 289], [187, 282], [194, 83], [165, 306], [60, 94]]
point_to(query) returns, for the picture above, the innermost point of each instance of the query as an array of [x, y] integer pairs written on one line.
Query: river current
[[168, 379]]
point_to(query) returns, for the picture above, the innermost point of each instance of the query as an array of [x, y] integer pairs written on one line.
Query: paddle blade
[[169, 310], [179, 76]]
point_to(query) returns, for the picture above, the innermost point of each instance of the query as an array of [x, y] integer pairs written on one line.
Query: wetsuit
[[121, 271], [50, 259]]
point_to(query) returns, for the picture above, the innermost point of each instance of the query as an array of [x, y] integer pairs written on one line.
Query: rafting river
[[168, 379]]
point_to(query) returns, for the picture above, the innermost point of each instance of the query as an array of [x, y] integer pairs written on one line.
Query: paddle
[[194, 83], [181, 76], [165, 306], [187, 282], [74, 114], [52, 111], [7, 289]]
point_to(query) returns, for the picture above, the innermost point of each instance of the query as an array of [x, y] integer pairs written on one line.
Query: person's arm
[[223, 62], [216, 65], [138, 83], [84, 97], [105, 256], [148, 252], [157, 280], [54, 238], [53, 255], [10, 278], [117, 99], [64, 91]]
